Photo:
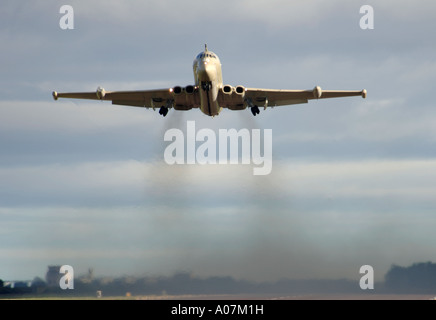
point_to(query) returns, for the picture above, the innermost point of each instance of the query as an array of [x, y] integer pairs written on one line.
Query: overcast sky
[[85, 183]]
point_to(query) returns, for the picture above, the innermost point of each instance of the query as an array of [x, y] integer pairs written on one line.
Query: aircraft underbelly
[[209, 100]]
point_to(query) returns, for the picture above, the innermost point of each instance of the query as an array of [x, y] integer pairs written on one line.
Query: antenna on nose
[[205, 47]]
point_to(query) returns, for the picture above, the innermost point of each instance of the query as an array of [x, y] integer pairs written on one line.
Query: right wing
[[141, 98]]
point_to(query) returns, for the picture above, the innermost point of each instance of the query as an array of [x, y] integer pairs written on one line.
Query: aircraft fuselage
[[208, 80]]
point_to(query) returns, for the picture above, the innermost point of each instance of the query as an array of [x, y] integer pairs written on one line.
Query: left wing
[[271, 98]]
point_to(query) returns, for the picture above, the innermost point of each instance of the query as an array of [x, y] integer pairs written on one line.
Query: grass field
[[234, 297]]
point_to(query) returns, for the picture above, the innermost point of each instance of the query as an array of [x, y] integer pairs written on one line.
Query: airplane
[[209, 93]]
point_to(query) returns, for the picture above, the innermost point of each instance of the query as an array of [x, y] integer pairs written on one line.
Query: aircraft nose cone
[[206, 71]]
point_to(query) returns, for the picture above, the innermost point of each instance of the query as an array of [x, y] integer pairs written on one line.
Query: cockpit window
[[206, 55]]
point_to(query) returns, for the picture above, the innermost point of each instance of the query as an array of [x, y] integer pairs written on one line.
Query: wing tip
[[55, 95], [364, 93]]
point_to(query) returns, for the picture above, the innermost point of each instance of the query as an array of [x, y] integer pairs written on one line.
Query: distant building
[[17, 284], [53, 276]]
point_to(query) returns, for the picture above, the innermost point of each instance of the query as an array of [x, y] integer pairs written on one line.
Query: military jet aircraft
[[209, 93]]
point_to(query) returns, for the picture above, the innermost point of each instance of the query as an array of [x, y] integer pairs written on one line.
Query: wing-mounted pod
[[100, 92], [317, 92]]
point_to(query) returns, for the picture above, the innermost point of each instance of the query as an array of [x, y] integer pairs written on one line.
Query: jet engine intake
[[227, 89], [189, 89], [177, 90], [240, 90]]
